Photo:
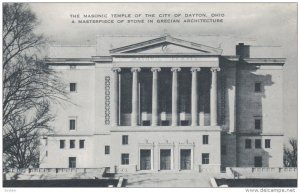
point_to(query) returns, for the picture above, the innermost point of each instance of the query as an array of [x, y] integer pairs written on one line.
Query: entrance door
[[145, 159], [185, 159], [165, 159], [257, 161]]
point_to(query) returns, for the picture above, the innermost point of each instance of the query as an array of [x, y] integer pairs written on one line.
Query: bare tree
[[290, 154], [28, 87], [22, 142]]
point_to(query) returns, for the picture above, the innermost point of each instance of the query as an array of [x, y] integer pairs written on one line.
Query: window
[[62, 144], [267, 143], [257, 161], [184, 123], [257, 143], [258, 123], [248, 144], [124, 139], [257, 87], [205, 158], [72, 124], [165, 123], [146, 123], [81, 144], [72, 162], [125, 159], [223, 150], [107, 150], [46, 141], [46, 153], [72, 144], [72, 66], [205, 139], [73, 87]]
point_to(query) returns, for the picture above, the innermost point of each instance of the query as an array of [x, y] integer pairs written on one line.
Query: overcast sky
[[269, 24]]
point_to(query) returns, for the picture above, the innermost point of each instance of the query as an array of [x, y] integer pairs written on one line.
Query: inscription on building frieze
[[163, 59]]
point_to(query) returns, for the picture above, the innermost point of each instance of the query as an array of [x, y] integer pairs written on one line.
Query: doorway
[[185, 159], [165, 159], [145, 159]]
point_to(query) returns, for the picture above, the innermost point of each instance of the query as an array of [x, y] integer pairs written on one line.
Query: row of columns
[[175, 115]]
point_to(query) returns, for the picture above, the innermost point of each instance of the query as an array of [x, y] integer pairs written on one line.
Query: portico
[[184, 109], [165, 102]]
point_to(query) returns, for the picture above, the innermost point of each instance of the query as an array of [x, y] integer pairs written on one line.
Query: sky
[[266, 23]]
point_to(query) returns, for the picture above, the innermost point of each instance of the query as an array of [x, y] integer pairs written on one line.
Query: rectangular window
[[257, 161], [125, 159], [81, 144], [46, 153], [257, 143], [72, 67], [205, 158], [257, 87], [146, 123], [62, 144], [258, 123], [267, 143], [72, 144], [184, 123], [223, 150], [72, 124], [248, 144], [205, 139], [73, 87], [124, 139], [107, 150], [165, 123], [72, 162]]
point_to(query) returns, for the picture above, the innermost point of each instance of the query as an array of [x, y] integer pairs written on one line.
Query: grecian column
[[213, 96], [115, 107], [135, 97], [175, 96], [194, 97], [155, 96]]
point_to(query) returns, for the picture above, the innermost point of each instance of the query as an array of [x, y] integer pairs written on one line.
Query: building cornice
[[232, 58], [69, 135], [279, 61], [74, 61], [163, 54], [260, 134], [102, 58]]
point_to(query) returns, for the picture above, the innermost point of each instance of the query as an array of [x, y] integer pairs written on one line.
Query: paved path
[[162, 179]]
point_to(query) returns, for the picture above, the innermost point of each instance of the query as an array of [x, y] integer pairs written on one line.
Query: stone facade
[[165, 104]]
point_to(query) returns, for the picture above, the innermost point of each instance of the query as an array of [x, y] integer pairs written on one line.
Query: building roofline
[[166, 39], [65, 45]]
